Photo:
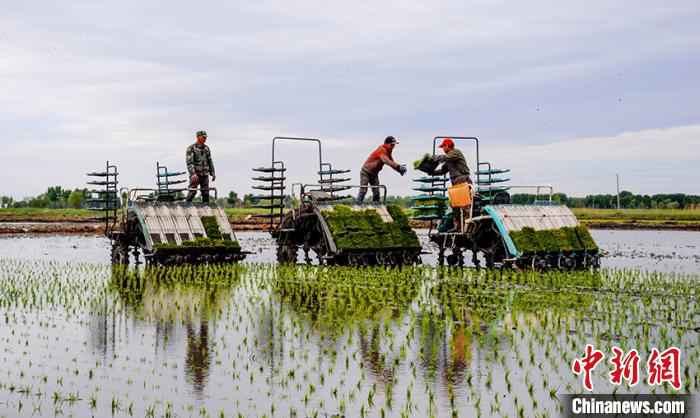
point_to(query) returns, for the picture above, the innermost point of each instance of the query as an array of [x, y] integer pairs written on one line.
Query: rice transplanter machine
[[159, 224], [322, 221], [541, 235]]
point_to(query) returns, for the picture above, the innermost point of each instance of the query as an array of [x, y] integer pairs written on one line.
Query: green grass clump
[[211, 227], [527, 240], [365, 230]]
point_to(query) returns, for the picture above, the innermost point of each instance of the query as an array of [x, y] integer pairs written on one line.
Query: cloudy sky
[[563, 93]]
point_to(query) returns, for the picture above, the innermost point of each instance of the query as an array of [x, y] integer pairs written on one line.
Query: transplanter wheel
[[539, 262], [566, 262], [357, 260], [490, 259], [120, 253], [456, 258], [287, 252], [407, 258], [591, 261]]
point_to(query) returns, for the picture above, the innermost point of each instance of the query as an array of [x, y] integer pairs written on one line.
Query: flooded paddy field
[[81, 338], [667, 251]]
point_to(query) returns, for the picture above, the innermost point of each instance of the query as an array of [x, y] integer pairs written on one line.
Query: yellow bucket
[[460, 195]]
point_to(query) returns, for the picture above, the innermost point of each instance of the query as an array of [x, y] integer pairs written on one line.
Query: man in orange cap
[[369, 174], [452, 162]]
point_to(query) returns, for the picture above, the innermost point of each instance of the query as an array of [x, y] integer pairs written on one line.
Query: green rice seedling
[[358, 331]]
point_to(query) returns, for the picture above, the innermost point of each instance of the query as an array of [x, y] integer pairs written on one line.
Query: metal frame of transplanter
[[151, 216], [305, 226], [485, 178], [273, 181], [107, 199], [492, 218], [165, 179]]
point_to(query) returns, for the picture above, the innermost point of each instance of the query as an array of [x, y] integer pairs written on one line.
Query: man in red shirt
[[369, 174]]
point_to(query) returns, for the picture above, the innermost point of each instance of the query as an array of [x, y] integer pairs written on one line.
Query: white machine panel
[[516, 217], [166, 222]]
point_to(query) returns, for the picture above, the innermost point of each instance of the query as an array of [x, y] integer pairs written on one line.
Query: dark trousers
[[203, 187], [371, 179]]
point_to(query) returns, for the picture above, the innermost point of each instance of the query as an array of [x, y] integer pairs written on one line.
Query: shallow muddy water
[[84, 339], [80, 338], [665, 251]]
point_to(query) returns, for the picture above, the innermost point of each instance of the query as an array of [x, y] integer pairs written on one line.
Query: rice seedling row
[[83, 339]]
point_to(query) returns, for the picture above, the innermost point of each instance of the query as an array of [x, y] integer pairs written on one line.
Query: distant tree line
[[57, 197], [628, 200]]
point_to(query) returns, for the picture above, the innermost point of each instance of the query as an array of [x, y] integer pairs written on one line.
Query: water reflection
[[462, 317], [379, 364], [197, 360], [442, 330], [178, 306]]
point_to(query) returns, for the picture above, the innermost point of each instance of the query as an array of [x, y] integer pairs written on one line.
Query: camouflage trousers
[[203, 187]]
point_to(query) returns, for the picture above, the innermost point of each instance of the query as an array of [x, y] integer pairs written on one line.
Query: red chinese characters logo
[[625, 366], [665, 367], [586, 364], [662, 367]]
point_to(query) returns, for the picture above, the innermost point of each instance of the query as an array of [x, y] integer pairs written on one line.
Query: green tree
[[247, 200], [75, 199], [232, 199], [54, 194]]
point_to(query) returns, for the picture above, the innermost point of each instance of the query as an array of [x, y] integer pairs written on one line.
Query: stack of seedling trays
[[271, 184], [566, 247], [105, 199], [166, 179], [331, 180], [490, 182], [364, 237], [432, 201]]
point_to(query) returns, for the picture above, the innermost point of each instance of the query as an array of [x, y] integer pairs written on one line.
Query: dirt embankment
[[248, 223], [41, 228]]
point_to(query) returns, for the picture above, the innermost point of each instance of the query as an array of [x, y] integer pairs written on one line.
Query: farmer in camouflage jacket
[[200, 167]]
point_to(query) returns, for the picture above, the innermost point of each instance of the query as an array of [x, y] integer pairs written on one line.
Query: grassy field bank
[[593, 218], [76, 215], [640, 218], [46, 215], [639, 214]]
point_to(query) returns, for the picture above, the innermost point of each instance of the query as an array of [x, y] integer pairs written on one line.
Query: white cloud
[[650, 161], [85, 81]]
